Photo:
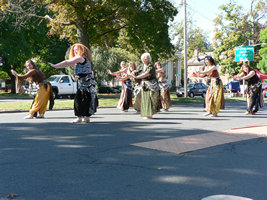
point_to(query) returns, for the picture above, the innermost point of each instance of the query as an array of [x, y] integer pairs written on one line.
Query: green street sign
[[244, 53]]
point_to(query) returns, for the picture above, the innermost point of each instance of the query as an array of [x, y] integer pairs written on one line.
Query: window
[[65, 79]]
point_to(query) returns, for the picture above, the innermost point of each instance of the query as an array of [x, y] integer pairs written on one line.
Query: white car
[[63, 85]]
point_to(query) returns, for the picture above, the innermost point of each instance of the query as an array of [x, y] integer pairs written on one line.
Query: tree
[[236, 28], [99, 23], [262, 65], [196, 38], [30, 41], [104, 59]]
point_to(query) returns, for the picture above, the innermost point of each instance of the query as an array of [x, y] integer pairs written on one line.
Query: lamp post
[[183, 2]]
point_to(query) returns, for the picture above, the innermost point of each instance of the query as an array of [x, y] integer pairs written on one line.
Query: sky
[[204, 11]]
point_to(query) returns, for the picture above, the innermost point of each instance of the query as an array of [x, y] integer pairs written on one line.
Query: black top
[[254, 79]]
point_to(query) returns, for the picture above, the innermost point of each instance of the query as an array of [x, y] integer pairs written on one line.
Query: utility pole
[[185, 48]]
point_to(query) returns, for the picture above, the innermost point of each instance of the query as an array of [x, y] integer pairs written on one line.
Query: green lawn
[[105, 100]]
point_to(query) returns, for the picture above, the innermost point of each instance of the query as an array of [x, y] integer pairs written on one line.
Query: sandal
[[40, 116], [30, 116], [77, 120], [86, 119]]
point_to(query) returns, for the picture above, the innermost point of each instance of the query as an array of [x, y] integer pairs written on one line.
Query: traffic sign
[[244, 53]]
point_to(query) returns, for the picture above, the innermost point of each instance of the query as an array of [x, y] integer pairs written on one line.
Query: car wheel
[[55, 95], [72, 96], [191, 94]]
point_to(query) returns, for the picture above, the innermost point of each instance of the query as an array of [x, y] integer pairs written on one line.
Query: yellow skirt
[[214, 98], [41, 100]]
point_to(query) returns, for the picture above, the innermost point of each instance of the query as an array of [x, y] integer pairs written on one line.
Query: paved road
[[52, 159]]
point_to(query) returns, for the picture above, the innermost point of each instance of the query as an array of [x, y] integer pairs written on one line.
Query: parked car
[[193, 89], [63, 85], [108, 90]]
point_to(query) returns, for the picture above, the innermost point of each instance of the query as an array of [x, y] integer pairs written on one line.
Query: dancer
[[254, 88], [214, 95], [126, 90], [150, 88], [165, 99], [207, 81], [137, 89], [85, 101], [44, 93]]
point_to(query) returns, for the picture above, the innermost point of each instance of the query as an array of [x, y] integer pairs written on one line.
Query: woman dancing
[[214, 95], [165, 99], [44, 93], [254, 89], [126, 90], [150, 88], [85, 101]]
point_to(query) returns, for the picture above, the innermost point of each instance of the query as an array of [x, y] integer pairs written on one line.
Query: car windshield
[[53, 78], [190, 86]]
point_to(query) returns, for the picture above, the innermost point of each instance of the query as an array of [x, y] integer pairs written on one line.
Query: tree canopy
[[263, 52], [235, 28], [99, 23]]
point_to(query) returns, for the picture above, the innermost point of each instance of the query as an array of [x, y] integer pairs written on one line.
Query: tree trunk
[[82, 32], [13, 85]]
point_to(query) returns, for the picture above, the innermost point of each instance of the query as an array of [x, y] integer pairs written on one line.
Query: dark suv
[[193, 89]]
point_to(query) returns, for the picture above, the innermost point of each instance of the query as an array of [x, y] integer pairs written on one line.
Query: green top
[[150, 69]]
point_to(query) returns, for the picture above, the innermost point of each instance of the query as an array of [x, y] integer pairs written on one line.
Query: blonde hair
[[82, 50], [129, 68]]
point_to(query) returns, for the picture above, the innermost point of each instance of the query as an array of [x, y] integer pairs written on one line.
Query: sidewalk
[[108, 159]]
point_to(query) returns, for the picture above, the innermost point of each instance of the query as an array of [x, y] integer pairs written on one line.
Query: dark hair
[[157, 63], [210, 59], [37, 70], [32, 63], [246, 65]]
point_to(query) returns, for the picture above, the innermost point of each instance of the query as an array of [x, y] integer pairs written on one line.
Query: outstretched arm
[[24, 76], [243, 77], [117, 72], [67, 63], [160, 70], [144, 75], [208, 71]]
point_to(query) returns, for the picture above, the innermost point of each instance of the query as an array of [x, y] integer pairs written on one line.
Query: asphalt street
[[52, 159]]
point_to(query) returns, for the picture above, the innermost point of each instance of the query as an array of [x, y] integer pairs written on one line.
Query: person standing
[[150, 88], [165, 99], [125, 100], [214, 95], [254, 88], [44, 93], [85, 101]]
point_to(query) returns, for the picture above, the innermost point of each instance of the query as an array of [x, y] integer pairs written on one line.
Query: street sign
[[244, 53]]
